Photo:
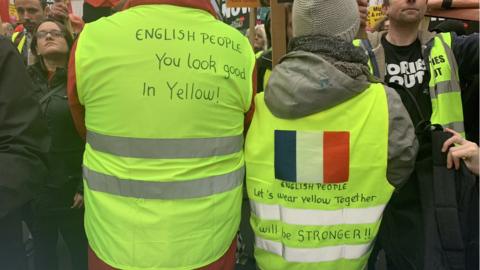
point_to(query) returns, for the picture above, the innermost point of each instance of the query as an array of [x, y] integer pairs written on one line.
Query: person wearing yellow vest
[[30, 13], [428, 70], [165, 86], [326, 148]]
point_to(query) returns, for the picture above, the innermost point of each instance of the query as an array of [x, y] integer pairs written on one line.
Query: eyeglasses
[[53, 33]]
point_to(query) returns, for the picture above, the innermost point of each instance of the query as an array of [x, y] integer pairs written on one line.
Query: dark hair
[[43, 4], [267, 29], [66, 35], [386, 2]]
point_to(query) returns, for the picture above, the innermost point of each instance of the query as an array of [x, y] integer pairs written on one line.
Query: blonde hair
[[261, 29]]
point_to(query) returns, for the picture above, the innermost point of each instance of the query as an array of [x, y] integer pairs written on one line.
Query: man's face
[[30, 12], [406, 11]]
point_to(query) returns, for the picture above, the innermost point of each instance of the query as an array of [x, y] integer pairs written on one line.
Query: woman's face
[[259, 41], [50, 40]]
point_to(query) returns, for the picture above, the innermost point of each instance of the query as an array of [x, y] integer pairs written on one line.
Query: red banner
[[4, 10]]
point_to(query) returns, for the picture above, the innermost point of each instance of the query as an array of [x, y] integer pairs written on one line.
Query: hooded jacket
[[296, 89], [23, 133]]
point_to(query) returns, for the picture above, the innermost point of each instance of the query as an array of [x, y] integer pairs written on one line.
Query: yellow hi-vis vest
[[317, 184], [165, 89], [266, 77], [22, 41], [444, 84]]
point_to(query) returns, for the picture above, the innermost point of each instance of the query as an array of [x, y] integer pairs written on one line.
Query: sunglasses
[[53, 33]]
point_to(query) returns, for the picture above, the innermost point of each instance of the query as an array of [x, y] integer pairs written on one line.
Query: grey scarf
[[343, 55]]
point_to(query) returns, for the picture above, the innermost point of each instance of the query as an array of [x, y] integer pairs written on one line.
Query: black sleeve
[[23, 133], [465, 49]]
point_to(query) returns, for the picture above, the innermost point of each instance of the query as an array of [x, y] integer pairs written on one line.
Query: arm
[[77, 23], [465, 49], [402, 143], [249, 115], [363, 10], [459, 148], [23, 133], [77, 109], [455, 3], [60, 12]]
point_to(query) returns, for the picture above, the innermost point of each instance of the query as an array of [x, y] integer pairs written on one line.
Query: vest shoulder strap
[[17, 38], [446, 38], [366, 44]]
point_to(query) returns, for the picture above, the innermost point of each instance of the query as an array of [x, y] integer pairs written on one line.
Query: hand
[[466, 150], [77, 201], [455, 4], [362, 9], [59, 11]]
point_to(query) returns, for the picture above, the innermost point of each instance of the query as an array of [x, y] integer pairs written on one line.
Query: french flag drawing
[[312, 156]]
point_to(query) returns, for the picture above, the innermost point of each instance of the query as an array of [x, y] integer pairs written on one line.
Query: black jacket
[[408, 232], [23, 133], [64, 157]]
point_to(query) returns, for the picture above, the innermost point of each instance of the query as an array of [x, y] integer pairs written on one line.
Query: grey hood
[[320, 73], [309, 80]]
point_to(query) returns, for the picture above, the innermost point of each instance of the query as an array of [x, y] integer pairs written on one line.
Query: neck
[[52, 63], [402, 34]]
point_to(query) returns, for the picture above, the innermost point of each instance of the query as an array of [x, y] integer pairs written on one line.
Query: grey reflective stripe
[[163, 190], [317, 217], [164, 148], [446, 87], [457, 126], [313, 254]]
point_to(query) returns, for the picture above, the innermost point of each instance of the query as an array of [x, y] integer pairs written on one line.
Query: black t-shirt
[[404, 66]]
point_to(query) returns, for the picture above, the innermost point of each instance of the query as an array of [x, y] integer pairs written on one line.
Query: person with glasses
[[59, 205], [30, 13]]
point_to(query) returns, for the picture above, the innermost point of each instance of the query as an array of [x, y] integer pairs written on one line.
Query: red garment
[[19, 28], [103, 3], [198, 4], [50, 75], [4, 15], [78, 111], [226, 262]]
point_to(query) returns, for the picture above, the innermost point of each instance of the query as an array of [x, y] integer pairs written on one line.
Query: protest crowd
[[160, 135]]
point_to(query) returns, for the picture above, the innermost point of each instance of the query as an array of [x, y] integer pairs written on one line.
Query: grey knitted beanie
[[338, 18]]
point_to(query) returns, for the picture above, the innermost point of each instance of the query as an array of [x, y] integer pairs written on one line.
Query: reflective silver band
[[457, 126], [313, 255], [163, 190], [445, 87], [164, 148], [317, 217]]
